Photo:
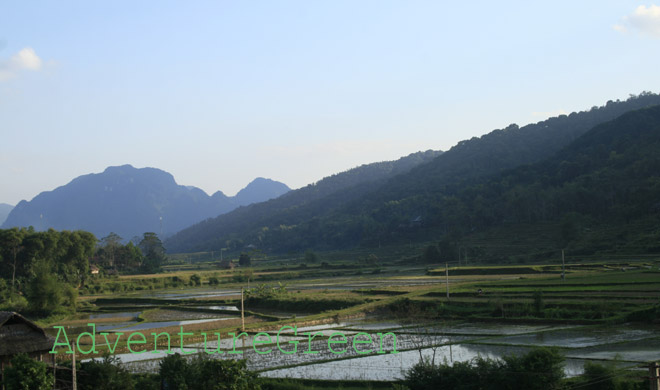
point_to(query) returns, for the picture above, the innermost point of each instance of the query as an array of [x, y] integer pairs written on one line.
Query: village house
[[20, 335]]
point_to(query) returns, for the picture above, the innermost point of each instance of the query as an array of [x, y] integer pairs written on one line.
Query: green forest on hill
[[586, 180]]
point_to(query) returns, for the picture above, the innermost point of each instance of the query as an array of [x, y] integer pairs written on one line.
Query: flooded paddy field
[[584, 319], [625, 346]]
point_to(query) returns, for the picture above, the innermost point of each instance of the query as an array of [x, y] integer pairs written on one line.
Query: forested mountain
[[5, 209], [600, 194], [426, 202], [130, 201], [302, 204]]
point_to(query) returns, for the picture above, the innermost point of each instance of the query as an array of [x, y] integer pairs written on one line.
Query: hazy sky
[[220, 92]]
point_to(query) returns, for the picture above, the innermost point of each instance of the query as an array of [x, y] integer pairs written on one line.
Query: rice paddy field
[[604, 312]]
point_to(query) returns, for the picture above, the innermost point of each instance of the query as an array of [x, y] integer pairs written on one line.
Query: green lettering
[[111, 349], [156, 336], [255, 342], [356, 341], [381, 335], [129, 342], [331, 341], [218, 351], [236, 338], [92, 336], [294, 342], [181, 334], [61, 329], [309, 341]]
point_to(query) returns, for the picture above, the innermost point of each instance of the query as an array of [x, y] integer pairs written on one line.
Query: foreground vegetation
[[407, 284], [541, 369]]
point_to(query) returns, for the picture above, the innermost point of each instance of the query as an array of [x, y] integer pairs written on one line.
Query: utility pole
[[242, 317], [242, 312], [563, 267], [447, 278], [74, 383], [54, 371], [654, 376]]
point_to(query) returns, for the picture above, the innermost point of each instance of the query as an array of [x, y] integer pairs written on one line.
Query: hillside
[[600, 195], [302, 204], [418, 205], [130, 201]]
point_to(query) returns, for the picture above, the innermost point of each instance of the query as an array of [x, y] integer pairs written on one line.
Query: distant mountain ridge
[[5, 209], [130, 201], [259, 190]]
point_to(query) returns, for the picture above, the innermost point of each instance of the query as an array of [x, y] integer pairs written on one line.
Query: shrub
[[27, 374], [104, 374], [539, 369], [195, 280], [206, 374]]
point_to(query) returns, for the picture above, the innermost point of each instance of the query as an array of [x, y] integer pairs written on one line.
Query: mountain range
[[441, 198], [5, 209], [130, 201]]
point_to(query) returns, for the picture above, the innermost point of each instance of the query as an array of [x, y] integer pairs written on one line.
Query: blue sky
[[218, 92]]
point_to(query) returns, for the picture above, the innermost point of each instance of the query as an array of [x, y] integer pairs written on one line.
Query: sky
[[220, 92]]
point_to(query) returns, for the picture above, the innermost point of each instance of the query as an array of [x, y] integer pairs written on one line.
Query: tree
[[25, 373], [431, 254], [606, 377], [311, 257], [540, 369], [128, 257], [568, 229], [225, 374], [11, 240], [195, 280], [153, 251], [372, 259], [175, 373], [539, 305], [422, 325], [244, 260], [44, 292], [105, 374], [206, 374], [72, 251], [110, 245]]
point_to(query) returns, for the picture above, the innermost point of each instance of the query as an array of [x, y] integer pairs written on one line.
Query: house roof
[[20, 335]]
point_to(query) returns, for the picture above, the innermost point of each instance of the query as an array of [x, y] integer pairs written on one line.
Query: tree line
[[42, 271]]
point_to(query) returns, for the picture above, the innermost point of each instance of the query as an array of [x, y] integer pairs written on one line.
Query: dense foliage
[[177, 373], [104, 374], [46, 267], [600, 193], [537, 173], [540, 369], [25, 373], [42, 272]]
